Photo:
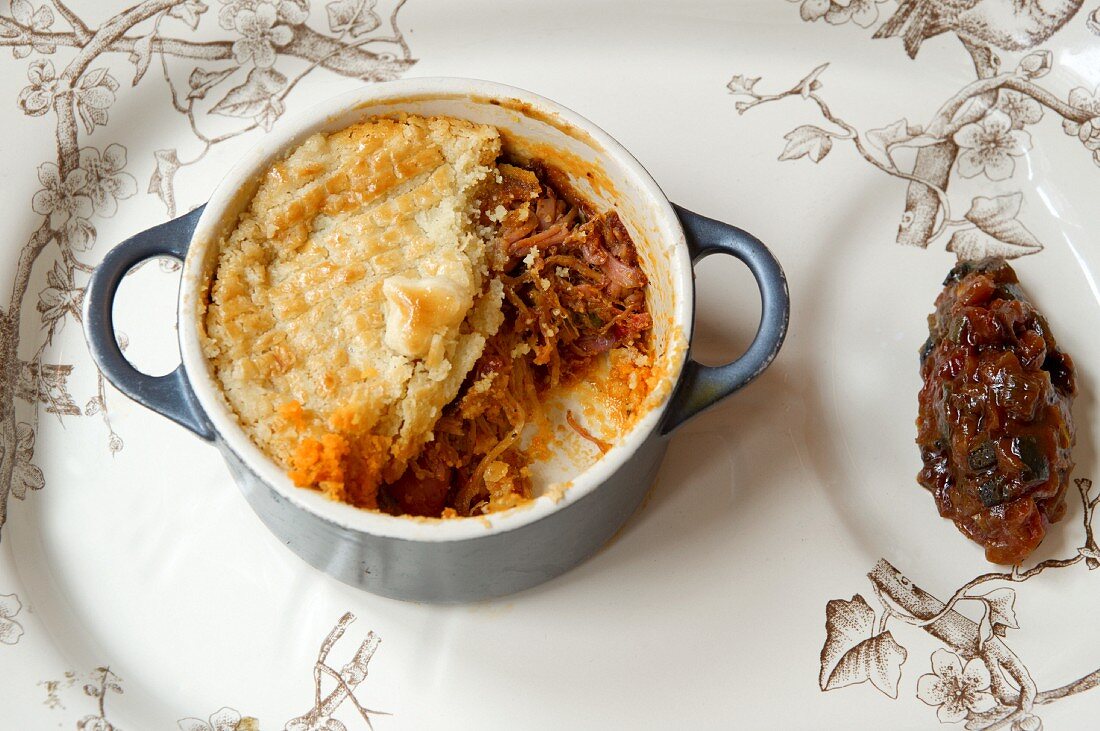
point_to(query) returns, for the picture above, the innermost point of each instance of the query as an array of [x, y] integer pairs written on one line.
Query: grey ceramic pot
[[469, 559]]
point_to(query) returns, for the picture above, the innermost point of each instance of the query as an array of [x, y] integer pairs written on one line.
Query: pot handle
[[170, 395], [701, 386]]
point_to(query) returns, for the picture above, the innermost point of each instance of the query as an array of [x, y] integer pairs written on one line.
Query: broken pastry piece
[[352, 298]]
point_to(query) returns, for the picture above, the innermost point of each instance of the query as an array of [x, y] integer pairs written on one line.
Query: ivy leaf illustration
[[996, 232], [1092, 557], [998, 615], [354, 16], [806, 141], [143, 51], [997, 216], [972, 244], [341, 14], [1001, 612], [810, 83], [852, 654], [189, 12], [25, 476], [94, 96], [271, 112], [202, 81], [1035, 64], [741, 84], [255, 99], [162, 181], [891, 134]]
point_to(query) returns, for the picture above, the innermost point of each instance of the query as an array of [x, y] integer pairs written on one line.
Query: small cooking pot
[[473, 558]]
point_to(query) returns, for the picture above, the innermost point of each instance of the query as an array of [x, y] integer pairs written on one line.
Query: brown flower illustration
[[106, 184], [1021, 109], [259, 35], [61, 296], [66, 204], [36, 99], [988, 146], [293, 12], [813, 9], [94, 97], [863, 13], [60, 199], [956, 690], [10, 630], [296, 11], [38, 21], [223, 719], [1088, 132]]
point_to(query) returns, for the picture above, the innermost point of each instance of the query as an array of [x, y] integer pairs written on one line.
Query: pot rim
[[285, 136]]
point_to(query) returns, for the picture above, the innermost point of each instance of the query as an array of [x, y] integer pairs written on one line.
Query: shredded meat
[[574, 290]]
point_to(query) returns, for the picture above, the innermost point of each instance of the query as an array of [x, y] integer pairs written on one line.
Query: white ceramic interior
[[524, 118]]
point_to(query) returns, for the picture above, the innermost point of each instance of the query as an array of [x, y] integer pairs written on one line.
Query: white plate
[[139, 590]]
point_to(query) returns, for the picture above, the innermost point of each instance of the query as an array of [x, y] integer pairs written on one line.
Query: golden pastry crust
[[353, 297]]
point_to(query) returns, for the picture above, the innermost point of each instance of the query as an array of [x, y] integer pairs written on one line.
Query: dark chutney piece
[[994, 425]]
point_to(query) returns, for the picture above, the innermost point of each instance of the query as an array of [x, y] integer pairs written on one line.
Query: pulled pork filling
[[574, 291]]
